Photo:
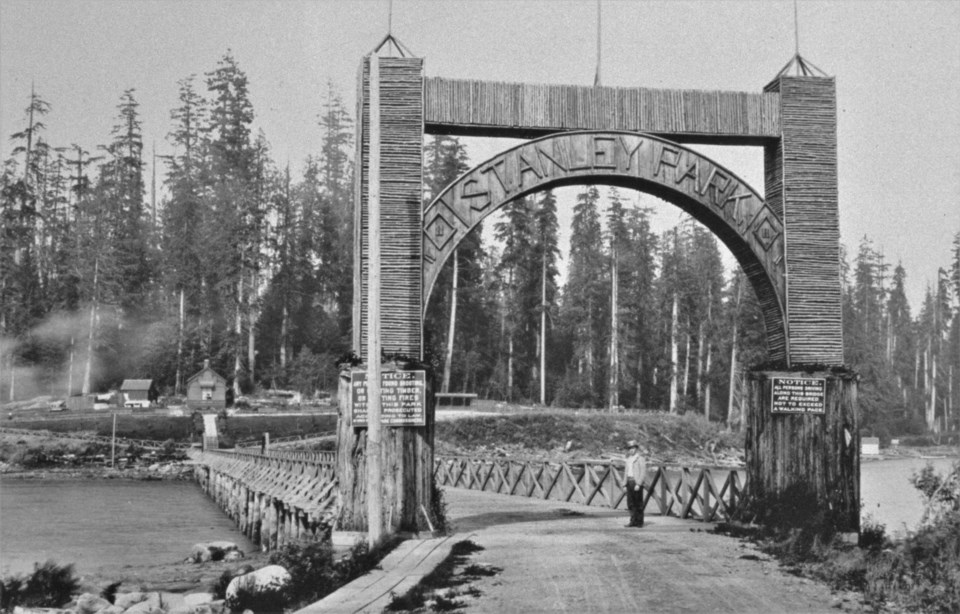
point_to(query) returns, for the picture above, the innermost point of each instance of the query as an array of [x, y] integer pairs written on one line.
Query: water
[[103, 525], [888, 496]]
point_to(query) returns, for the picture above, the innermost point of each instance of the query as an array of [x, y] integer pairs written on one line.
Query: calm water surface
[[887, 494], [105, 524]]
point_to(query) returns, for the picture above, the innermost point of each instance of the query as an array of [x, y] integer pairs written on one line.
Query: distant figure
[[636, 474]]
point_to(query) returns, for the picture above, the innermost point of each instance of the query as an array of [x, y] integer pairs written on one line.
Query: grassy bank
[[563, 434]]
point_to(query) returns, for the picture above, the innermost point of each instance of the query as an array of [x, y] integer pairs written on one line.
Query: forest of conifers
[[231, 258]]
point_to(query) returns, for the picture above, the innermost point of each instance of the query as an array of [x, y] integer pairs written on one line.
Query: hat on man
[[632, 444]]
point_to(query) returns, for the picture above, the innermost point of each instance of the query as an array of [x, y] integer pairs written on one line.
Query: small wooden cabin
[[138, 393], [206, 389]]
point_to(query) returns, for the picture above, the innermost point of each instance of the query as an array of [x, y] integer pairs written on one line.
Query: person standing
[[636, 473]]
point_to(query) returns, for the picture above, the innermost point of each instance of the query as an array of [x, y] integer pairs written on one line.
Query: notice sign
[[796, 395], [402, 396]]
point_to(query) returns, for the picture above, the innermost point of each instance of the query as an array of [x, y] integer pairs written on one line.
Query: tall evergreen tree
[[638, 260], [586, 303], [235, 208], [547, 253]]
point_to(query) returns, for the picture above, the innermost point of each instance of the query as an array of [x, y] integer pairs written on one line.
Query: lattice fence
[[700, 493]]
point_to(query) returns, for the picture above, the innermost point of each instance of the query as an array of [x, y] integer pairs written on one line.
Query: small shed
[[206, 389], [870, 446], [138, 393]]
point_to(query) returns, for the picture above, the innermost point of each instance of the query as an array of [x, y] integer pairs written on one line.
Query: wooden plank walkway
[[399, 572]]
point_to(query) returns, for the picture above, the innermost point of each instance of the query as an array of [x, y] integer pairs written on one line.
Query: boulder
[[88, 603], [150, 604], [114, 609], [213, 551], [125, 600], [198, 598], [214, 607], [272, 579], [171, 601]]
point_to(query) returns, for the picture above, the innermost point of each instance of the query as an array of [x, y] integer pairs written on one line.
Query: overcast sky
[[897, 66]]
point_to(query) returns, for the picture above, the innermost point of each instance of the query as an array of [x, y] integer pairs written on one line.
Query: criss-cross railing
[[702, 493]]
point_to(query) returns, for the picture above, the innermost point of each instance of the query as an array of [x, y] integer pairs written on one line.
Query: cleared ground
[[566, 558]]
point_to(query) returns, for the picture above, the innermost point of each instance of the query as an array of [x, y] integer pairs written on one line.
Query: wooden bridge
[[275, 498], [286, 496]]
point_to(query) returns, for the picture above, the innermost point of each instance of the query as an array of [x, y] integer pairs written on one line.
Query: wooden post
[[113, 443], [374, 461]]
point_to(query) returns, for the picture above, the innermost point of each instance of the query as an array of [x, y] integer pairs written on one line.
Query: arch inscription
[[708, 192]]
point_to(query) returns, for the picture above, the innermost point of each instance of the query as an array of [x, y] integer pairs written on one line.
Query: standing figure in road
[[636, 474]]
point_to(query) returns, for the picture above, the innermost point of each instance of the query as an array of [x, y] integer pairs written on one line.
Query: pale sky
[[897, 66]]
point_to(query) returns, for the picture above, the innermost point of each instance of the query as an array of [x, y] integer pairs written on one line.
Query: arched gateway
[[708, 192], [801, 417]]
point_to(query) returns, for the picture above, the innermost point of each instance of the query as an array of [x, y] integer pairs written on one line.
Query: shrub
[[315, 573], [438, 511], [262, 602], [311, 569], [941, 493], [49, 586], [169, 448], [873, 535], [925, 573], [219, 587]]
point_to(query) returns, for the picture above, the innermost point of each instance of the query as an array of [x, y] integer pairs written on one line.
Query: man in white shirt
[[636, 473]]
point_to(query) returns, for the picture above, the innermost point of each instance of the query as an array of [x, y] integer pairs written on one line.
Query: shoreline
[[173, 471]]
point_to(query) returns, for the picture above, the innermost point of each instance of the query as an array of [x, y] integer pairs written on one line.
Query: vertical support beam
[[801, 186], [374, 461], [401, 196]]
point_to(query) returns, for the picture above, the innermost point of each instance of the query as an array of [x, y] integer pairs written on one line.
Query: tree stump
[[799, 458], [406, 458]]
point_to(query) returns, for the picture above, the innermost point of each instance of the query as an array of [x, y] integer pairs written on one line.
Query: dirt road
[[568, 558]]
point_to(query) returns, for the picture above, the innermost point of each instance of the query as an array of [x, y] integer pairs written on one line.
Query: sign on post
[[798, 395], [403, 398]]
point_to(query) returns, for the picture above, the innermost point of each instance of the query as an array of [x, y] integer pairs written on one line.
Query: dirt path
[[568, 558]]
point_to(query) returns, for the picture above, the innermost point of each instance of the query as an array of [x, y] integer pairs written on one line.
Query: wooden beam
[[463, 107], [374, 473]]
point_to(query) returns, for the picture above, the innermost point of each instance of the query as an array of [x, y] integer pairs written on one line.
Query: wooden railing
[[685, 492], [326, 458], [287, 440]]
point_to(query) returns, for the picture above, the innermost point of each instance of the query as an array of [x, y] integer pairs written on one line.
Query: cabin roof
[[136, 384], [210, 374]]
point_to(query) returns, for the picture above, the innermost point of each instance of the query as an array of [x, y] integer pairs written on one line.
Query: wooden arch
[[710, 193]]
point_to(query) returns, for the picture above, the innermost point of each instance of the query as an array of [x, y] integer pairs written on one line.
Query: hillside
[[557, 435]]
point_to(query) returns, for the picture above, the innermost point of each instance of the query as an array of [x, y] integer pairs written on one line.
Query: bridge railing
[[318, 458], [285, 440], [701, 493]]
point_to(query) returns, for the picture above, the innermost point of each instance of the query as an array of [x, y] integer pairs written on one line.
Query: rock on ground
[[272, 578]]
